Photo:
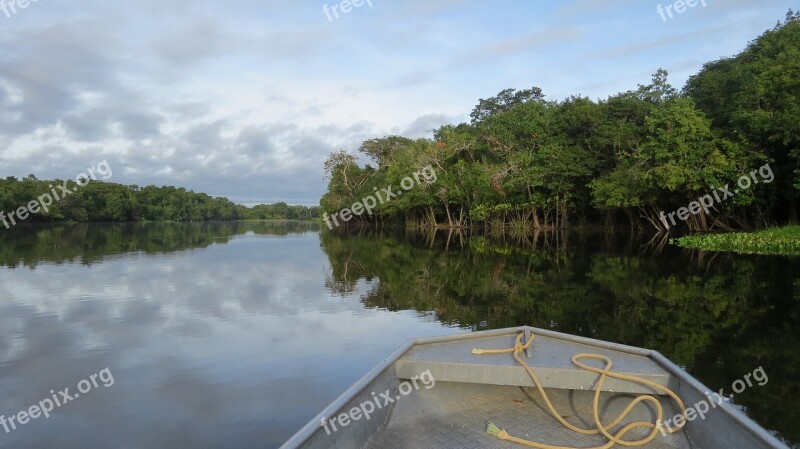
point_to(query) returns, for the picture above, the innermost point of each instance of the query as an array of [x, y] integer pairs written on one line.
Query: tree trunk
[[449, 218]]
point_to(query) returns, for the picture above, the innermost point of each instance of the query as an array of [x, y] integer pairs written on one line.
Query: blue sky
[[245, 99]]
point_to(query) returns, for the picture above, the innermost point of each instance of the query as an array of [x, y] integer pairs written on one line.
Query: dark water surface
[[234, 335]]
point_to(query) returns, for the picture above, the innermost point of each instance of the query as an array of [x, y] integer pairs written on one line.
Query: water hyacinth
[[777, 241]]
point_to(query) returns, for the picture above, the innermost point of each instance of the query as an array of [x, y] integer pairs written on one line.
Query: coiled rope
[[604, 429]]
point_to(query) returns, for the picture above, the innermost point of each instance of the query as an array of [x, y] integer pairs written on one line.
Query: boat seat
[[550, 359]]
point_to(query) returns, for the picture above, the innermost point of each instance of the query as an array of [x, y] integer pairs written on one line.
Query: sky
[[246, 98]]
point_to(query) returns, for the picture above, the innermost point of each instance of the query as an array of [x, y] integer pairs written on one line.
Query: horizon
[[250, 111]]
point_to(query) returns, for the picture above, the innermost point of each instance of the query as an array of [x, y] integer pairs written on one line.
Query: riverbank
[[783, 241]]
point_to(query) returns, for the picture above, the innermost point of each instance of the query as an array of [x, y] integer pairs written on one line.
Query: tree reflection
[[92, 243], [720, 316]]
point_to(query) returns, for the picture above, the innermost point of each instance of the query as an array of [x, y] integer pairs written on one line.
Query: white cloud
[[246, 99]]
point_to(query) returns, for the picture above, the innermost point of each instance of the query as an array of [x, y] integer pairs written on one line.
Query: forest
[[100, 201], [524, 162]]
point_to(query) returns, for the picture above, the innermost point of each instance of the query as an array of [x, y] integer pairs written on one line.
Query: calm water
[[234, 335]]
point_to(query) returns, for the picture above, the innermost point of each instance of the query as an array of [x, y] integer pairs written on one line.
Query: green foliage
[[281, 211], [503, 102], [778, 241], [526, 163], [754, 99], [100, 201], [382, 151]]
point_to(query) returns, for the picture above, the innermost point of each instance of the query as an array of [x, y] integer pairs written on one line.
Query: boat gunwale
[[739, 417], [313, 426], [348, 395]]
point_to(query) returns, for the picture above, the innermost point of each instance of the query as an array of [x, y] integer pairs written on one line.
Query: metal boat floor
[[522, 413]]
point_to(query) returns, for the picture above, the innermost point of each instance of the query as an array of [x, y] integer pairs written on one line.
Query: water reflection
[[720, 316], [235, 334], [89, 243], [226, 345]]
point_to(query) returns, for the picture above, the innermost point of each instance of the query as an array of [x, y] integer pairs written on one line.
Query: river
[[235, 334]]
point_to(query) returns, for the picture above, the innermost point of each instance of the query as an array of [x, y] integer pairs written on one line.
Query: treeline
[[100, 201], [524, 162], [89, 243]]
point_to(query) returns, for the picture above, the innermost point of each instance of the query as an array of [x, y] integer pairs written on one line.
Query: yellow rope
[[600, 427]]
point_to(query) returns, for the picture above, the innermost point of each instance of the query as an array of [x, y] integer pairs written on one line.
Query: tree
[[503, 101], [382, 150], [752, 99], [525, 163]]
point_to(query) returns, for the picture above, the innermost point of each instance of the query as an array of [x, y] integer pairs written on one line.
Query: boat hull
[[434, 393]]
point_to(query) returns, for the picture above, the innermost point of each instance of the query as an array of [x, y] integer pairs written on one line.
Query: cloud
[[114, 119], [247, 102], [50, 70], [426, 9], [522, 44], [422, 126], [191, 43], [412, 79], [593, 6], [629, 50]]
